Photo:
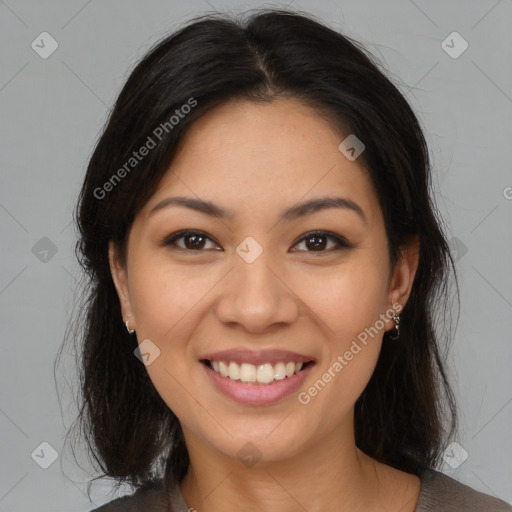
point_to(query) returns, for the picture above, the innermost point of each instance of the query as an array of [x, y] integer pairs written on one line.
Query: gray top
[[439, 493]]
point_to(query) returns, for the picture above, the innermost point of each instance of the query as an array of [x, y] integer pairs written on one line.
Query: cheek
[[166, 299], [169, 304], [337, 386], [348, 301]]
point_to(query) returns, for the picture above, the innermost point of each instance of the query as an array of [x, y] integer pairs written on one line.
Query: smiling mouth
[[265, 373]]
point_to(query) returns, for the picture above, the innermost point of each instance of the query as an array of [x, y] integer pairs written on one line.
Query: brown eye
[[313, 242], [319, 242], [192, 240]]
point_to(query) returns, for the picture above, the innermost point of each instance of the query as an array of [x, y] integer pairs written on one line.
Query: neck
[[332, 475]]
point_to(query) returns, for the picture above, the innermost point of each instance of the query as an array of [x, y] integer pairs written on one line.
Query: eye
[[317, 241], [193, 240]]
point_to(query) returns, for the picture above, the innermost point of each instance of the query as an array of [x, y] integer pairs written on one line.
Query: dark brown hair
[[407, 410]]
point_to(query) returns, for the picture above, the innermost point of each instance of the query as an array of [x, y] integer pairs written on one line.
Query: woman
[[266, 266]]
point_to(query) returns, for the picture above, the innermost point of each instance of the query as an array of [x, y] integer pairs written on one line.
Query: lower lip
[[257, 394]]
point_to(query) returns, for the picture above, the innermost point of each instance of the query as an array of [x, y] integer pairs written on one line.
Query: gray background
[[51, 111]]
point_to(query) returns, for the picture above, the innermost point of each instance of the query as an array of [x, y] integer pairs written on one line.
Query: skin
[[258, 159]]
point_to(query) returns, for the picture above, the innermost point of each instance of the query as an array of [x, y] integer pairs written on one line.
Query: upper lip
[[257, 357]]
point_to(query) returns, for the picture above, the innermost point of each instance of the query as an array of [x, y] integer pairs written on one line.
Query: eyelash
[[341, 242]]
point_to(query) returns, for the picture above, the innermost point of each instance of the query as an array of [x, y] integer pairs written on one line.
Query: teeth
[[234, 371], [224, 370], [263, 373], [247, 372], [279, 371]]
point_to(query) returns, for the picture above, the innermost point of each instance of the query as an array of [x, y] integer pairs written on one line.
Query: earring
[[131, 331], [394, 334]]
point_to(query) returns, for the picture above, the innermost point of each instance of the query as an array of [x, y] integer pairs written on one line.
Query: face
[[259, 289]]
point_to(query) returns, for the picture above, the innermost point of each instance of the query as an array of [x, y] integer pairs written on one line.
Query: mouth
[[265, 373], [260, 384], [256, 377]]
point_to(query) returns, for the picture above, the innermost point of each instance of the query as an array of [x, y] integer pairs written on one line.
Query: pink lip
[[257, 357], [257, 394]]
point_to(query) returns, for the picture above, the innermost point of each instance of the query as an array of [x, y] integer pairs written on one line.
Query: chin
[[261, 443]]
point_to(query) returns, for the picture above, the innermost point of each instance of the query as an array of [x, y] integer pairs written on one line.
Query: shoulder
[[148, 498], [441, 493]]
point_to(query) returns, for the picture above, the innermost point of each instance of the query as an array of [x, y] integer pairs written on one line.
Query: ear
[[404, 272], [120, 278]]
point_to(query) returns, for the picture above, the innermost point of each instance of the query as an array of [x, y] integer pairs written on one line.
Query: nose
[[257, 297]]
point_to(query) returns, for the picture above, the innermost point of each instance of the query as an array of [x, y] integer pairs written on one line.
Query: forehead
[[249, 156]]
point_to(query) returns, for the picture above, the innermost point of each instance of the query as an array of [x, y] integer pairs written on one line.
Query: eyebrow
[[292, 213]]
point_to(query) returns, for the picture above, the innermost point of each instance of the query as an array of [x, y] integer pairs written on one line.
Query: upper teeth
[[263, 373]]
